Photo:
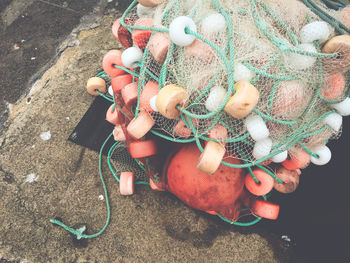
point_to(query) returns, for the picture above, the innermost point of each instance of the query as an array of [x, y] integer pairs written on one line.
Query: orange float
[[243, 101], [114, 116], [119, 82], [334, 86], [290, 179], [96, 84], [157, 186], [168, 98], [159, 46], [118, 133], [124, 35], [115, 28], [141, 37], [150, 3], [129, 93], [200, 50], [265, 209], [126, 184], [341, 45], [149, 91], [113, 57], [264, 186], [140, 125], [218, 132], [211, 158], [142, 149], [298, 159]]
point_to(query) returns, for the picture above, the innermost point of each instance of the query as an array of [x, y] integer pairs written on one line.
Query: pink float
[[113, 57], [140, 37], [126, 184]]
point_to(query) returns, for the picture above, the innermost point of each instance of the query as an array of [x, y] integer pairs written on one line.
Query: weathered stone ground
[[40, 180]]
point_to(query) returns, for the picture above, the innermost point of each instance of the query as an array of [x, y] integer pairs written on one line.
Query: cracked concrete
[[146, 227]]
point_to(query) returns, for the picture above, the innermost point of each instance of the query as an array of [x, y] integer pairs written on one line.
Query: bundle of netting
[[260, 78], [260, 85]]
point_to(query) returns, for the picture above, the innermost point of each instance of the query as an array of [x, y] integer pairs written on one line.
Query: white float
[[152, 103], [257, 127], [177, 31], [262, 148], [242, 73], [298, 61], [334, 120], [132, 55], [343, 108], [324, 155], [317, 30], [216, 96], [213, 24]]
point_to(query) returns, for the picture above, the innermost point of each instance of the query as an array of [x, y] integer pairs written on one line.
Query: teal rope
[[238, 223], [281, 44], [104, 96], [281, 23], [79, 233]]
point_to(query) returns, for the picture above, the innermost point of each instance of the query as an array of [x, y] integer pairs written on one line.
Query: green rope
[[281, 23], [79, 233], [279, 43], [104, 96], [239, 223], [229, 66]]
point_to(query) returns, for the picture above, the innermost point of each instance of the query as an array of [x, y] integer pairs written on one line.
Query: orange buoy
[[94, 84], [119, 82], [299, 159], [129, 93], [149, 91], [114, 116], [141, 37], [142, 149], [264, 186], [113, 57], [265, 209], [140, 125], [168, 98]]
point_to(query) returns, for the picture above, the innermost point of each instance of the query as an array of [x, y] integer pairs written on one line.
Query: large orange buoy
[[219, 192]]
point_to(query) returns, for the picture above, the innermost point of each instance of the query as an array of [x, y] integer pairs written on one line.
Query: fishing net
[[264, 82], [258, 41]]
